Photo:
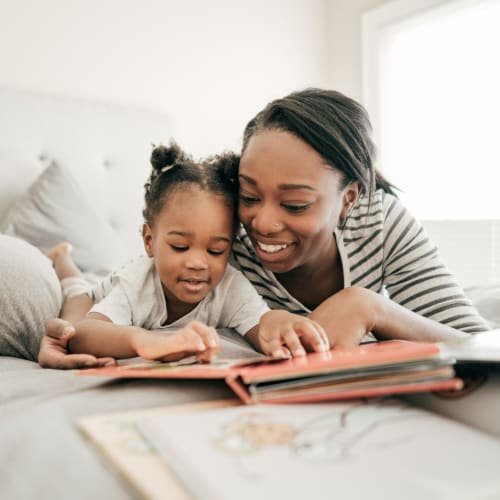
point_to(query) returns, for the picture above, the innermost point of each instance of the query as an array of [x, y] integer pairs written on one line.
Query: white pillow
[[55, 209], [30, 295]]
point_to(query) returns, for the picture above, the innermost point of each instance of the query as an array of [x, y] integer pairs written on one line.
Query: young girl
[[184, 282]]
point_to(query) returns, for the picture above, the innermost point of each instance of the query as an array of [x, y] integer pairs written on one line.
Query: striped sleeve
[[415, 276]]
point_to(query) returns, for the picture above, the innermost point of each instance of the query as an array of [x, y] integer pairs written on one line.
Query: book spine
[[240, 389]]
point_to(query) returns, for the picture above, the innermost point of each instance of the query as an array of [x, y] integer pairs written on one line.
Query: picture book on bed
[[372, 369], [379, 448]]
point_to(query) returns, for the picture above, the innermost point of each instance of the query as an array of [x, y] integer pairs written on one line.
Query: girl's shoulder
[[133, 272], [137, 266]]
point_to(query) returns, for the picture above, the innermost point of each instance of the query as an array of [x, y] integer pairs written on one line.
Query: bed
[[86, 163]]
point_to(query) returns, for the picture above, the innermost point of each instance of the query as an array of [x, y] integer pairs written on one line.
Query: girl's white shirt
[[133, 295]]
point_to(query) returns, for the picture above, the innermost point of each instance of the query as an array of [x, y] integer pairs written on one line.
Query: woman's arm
[[353, 312], [54, 352], [415, 276]]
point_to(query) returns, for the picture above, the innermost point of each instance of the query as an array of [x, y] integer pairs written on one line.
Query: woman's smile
[[290, 201], [275, 252]]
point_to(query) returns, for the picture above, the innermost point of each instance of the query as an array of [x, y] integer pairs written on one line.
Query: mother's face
[[290, 201]]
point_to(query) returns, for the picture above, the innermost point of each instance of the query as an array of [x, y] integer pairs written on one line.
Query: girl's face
[[190, 241], [290, 201]]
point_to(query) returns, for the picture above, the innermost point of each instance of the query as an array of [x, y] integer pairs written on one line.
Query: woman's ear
[[349, 198], [147, 238]]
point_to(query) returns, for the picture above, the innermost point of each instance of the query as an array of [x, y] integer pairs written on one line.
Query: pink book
[[374, 369]]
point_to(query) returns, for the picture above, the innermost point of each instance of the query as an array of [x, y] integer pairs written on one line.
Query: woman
[[323, 234]]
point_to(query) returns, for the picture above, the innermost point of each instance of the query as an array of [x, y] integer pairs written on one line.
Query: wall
[[211, 65], [470, 248], [345, 40], [344, 44]]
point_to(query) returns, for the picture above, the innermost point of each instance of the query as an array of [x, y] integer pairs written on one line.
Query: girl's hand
[[195, 338], [282, 334], [54, 349], [348, 315]]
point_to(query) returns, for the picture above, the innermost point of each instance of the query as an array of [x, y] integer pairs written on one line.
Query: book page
[[378, 449], [118, 438]]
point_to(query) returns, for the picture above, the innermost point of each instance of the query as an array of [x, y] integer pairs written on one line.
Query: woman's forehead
[[281, 157]]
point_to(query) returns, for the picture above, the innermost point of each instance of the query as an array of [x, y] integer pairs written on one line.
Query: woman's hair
[[337, 127], [173, 169]]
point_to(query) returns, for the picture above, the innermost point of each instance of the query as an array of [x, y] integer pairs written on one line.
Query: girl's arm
[[278, 333], [101, 337], [281, 334]]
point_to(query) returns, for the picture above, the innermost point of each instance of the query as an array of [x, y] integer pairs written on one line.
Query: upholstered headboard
[[105, 146]]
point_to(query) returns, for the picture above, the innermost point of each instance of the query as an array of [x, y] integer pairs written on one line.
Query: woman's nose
[[266, 221]]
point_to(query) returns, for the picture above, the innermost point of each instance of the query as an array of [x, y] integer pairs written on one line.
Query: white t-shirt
[[133, 295]]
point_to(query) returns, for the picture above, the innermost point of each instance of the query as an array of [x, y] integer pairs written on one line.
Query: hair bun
[[166, 156]]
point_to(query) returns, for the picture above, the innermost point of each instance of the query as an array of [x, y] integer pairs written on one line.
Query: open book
[[379, 449], [373, 369]]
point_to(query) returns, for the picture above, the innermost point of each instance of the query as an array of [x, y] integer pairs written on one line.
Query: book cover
[[116, 435], [403, 367], [381, 449]]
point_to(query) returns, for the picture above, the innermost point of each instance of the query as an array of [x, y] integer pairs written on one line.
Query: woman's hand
[[282, 334], [353, 312], [195, 338], [54, 349]]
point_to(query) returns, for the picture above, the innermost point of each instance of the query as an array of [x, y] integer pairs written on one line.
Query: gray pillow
[[55, 209], [486, 299], [30, 295]]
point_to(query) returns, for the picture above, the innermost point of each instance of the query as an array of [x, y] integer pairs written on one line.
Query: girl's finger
[[292, 341], [275, 348], [312, 335], [208, 334]]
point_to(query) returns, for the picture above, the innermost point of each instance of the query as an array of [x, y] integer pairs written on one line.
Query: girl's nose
[[196, 260]]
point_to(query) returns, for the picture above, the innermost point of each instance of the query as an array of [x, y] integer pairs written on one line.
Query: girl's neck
[[176, 309]]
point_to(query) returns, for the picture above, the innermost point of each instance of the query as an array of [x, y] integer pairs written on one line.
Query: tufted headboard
[[105, 146]]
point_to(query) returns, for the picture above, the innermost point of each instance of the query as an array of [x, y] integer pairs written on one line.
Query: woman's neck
[[315, 281]]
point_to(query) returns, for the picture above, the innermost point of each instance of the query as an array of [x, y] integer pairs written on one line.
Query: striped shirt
[[383, 248]]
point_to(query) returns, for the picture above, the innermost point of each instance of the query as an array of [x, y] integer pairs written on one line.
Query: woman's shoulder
[[370, 210]]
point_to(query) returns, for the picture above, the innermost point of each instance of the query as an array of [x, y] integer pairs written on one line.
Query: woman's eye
[[296, 208], [248, 200], [178, 248]]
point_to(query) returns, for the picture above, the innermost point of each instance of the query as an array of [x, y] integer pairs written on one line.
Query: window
[[431, 82]]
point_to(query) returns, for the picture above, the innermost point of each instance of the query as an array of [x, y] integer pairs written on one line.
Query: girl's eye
[[216, 252], [295, 209], [248, 200], [177, 248]]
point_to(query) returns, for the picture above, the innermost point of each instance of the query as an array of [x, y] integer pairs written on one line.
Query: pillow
[[55, 209], [486, 299], [19, 171], [30, 295]]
